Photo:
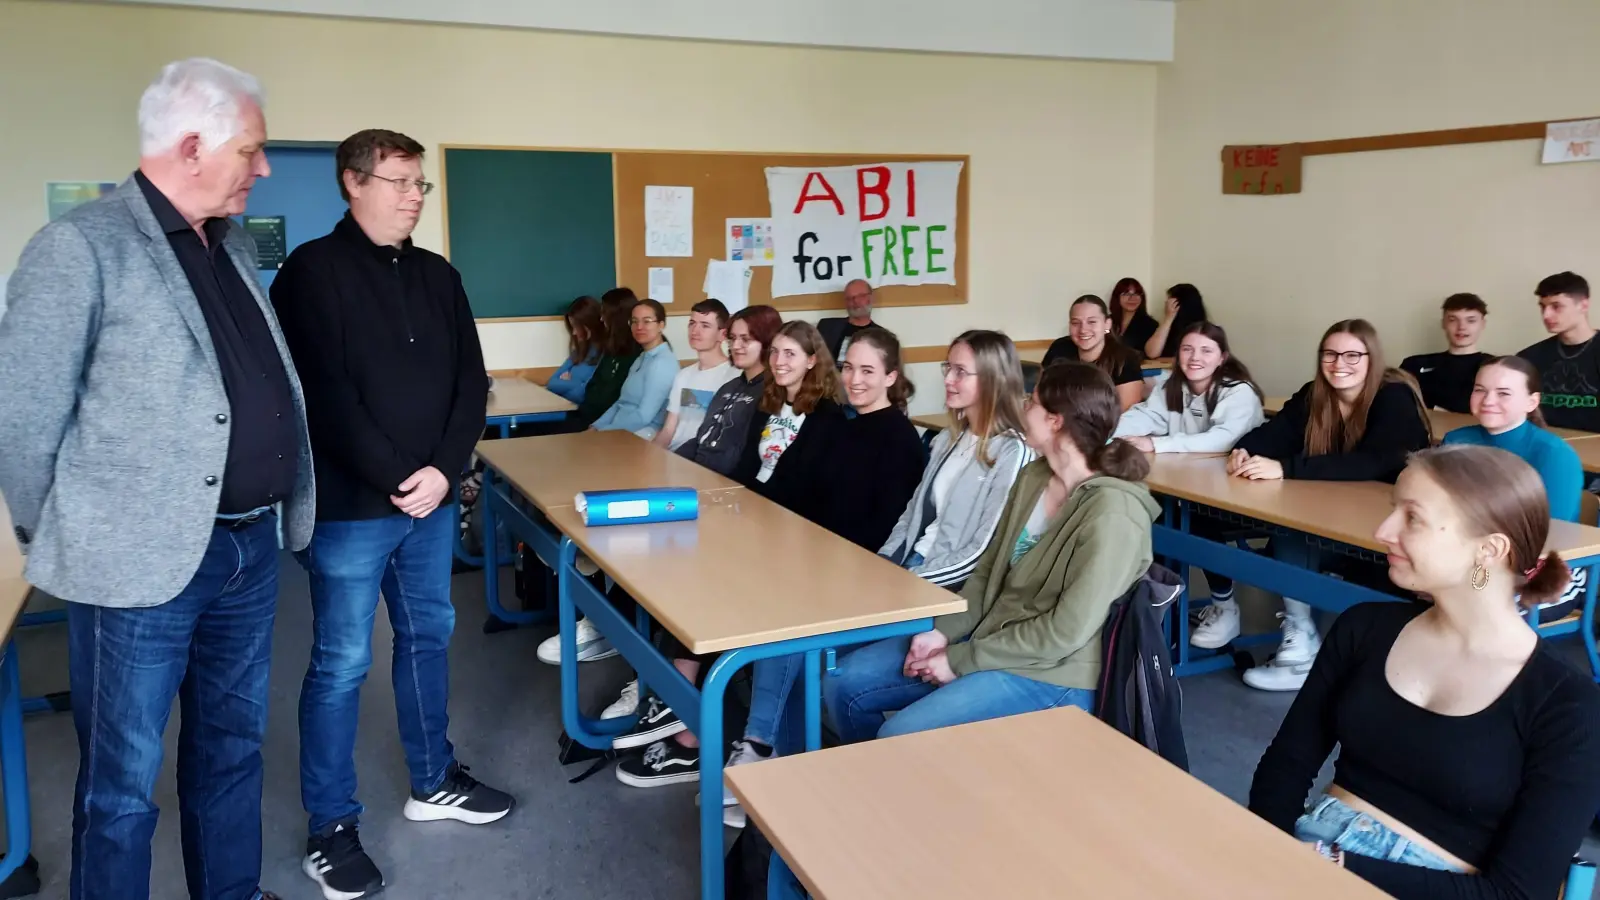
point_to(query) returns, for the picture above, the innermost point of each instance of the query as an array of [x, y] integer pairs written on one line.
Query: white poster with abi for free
[[890, 223]]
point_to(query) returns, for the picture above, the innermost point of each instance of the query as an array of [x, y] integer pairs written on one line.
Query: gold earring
[[1480, 577]]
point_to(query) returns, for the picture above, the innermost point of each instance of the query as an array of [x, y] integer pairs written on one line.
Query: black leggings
[[1213, 529]]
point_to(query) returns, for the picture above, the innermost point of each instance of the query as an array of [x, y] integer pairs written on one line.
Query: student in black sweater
[[1356, 421], [1132, 322], [877, 458], [1184, 307], [797, 417], [1090, 339], [1467, 747], [1446, 378]]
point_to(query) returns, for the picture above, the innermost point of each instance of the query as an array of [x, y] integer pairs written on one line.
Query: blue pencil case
[[669, 504]]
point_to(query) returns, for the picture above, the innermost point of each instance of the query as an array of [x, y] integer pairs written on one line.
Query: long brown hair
[[1086, 400], [1143, 312], [1329, 432], [1115, 355], [1529, 374], [888, 346], [615, 307], [1232, 371], [821, 381], [1496, 492], [584, 316], [1000, 394]]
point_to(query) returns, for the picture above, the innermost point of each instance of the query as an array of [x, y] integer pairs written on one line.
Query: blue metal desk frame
[[14, 767], [700, 709], [504, 424], [1172, 539]]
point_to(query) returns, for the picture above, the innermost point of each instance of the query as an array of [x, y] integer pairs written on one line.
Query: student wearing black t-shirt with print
[[1569, 362], [1446, 378], [1090, 339]]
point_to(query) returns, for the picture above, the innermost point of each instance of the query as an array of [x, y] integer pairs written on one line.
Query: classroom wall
[[1061, 151], [1382, 235]]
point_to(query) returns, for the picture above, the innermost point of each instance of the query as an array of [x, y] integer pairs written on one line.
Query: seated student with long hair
[[956, 507], [1132, 322], [1205, 405], [1467, 746], [1183, 309], [876, 459], [584, 333], [1357, 420], [618, 350], [1074, 536], [1089, 339], [1505, 401], [641, 406], [785, 450]]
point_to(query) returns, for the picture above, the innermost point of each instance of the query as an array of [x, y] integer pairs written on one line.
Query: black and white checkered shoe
[[462, 798]]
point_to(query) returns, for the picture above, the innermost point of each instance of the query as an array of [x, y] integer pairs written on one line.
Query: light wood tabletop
[[1043, 805], [521, 397], [1442, 421], [551, 470], [1588, 451], [13, 587], [750, 572], [1345, 511], [938, 421]]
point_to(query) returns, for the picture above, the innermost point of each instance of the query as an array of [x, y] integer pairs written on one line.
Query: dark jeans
[[350, 562], [210, 646]]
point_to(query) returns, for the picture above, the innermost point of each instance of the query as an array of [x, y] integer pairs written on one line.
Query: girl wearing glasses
[[1357, 420], [954, 511], [1132, 323], [1090, 339], [641, 407]]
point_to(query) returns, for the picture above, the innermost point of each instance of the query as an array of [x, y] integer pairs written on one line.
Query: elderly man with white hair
[[153, 425]]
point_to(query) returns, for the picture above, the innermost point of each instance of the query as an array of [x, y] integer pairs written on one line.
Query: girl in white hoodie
[[1206, 405]]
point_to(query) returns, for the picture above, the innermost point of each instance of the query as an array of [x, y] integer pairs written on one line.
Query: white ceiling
[[1131, 30]]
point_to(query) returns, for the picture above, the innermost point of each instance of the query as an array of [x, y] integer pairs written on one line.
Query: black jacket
[[1395, 428], [874, 466], [798, 477], [1139, 693], [388, 354]]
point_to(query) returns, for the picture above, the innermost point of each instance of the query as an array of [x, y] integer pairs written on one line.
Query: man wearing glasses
[[395, 394]]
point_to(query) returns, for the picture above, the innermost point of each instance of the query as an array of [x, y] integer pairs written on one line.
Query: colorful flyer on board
[[749, 241]]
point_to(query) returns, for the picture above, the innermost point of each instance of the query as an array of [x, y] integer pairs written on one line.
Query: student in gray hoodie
[[956, 507]]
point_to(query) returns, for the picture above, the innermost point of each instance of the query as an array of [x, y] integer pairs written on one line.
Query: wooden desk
[[1344, 511], [938, 421], [512, 397], [14, 588], [679, 571], [1442, 421], [1588, 447], [551, 470], [1048, 804]]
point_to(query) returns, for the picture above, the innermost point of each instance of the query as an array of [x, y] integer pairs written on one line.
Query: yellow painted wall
[[1061, 151], [1384, 235]]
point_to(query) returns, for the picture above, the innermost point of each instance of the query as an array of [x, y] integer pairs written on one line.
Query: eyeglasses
[[960, 373], [740, 340], [1350, 357], [650, 321], [404, 185]]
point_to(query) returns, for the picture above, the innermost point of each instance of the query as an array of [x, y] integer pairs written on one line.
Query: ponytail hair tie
[[1533, 572]]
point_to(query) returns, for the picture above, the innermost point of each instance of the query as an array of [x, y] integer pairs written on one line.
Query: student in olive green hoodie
[[1074, 536]]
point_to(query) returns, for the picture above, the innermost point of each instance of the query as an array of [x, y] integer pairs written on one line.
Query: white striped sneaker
[[460, 797]]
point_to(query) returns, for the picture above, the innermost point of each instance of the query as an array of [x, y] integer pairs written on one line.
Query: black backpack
[[1139, 693]]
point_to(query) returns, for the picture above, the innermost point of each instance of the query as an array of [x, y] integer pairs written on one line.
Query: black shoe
[[664, 762], [336, 862], [460, 797], [658, 721]]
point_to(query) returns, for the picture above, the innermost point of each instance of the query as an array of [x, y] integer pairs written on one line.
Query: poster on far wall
[[890, 223], [749, 241], [61, 196]]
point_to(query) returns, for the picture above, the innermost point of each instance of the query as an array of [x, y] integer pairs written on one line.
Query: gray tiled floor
[[597, 839]]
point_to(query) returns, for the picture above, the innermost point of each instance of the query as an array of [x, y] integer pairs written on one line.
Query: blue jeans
[[210, 646], [409, 560], [771, 680], [1329, 820], [869, 682]]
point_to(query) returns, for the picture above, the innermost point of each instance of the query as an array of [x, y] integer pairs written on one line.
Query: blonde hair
[[999, 406]]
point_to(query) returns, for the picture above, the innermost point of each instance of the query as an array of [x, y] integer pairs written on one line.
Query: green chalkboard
[[529, 230]]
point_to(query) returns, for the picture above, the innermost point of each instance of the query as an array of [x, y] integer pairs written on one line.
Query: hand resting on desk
[[1255, 468]]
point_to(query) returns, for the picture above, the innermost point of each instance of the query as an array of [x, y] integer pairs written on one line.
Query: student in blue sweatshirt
[[584, 330], [642, 406], [1505, 401]]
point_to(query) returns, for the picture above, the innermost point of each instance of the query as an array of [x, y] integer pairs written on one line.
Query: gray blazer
[[110, 394]]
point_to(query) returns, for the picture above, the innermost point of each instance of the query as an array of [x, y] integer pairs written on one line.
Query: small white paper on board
[[729, 282], [668, 220], [661, 285]]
